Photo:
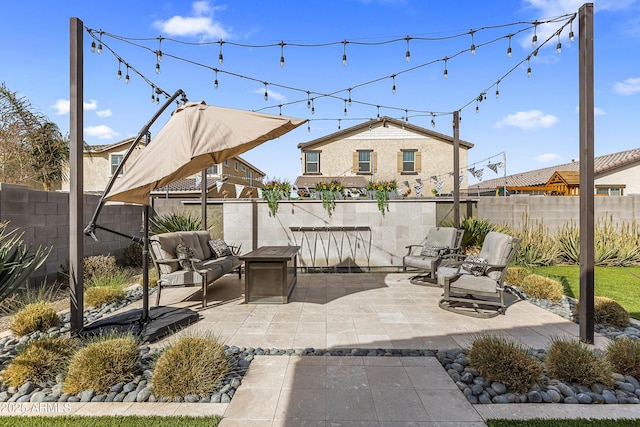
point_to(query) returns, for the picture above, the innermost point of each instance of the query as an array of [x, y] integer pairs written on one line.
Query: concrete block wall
[[43, 219]]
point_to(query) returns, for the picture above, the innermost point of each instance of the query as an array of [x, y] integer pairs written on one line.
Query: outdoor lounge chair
[[474, 285], [440, 242]]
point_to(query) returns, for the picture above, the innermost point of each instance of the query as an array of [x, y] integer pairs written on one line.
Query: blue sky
[[534, 120]]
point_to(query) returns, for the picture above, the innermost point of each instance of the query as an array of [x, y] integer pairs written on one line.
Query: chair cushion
[[433, 251], [184, 253], [204, 237], [182, 278], [496, 249], [424, 263], [441, 236], [190, 238], [219, 248], [475, 265], [469, 284], [164, 248]]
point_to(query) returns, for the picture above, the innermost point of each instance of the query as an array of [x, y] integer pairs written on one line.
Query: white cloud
[[272, 95], [100, 132], [62, 106], [200, 23], [528, 120], [629, 86], [547, 158], [104, 113]]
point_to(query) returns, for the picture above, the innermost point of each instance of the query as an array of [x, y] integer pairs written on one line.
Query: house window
[[235, 165], [312, 162], [408, 161], [364, 161], [242, 168], [610, 191], [226, 163], [115, 160], [213, 170]]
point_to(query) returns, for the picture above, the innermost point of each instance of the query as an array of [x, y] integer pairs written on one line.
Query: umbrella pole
[[145, 266]]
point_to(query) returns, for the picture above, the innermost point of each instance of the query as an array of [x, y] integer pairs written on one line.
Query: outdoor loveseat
[[191, 258]]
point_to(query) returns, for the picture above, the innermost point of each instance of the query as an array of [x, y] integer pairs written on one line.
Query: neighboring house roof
[[186, 185], [100, 148], [382, 121], [309, 181], [601, 165]]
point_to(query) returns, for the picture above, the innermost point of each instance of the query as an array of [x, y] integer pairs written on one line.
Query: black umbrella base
[[160, 322]]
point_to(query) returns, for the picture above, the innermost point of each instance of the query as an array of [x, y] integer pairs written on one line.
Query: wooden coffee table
[[270, 274]]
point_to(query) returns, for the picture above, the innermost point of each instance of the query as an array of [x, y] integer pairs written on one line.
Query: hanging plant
[[381, 193], [273, 191], [328, 192]]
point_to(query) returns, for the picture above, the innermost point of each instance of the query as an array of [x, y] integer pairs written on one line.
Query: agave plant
[[537, 247], [17, 263], [175, 221]]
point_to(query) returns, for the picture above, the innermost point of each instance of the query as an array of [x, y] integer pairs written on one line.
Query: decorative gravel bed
[[476, 388]]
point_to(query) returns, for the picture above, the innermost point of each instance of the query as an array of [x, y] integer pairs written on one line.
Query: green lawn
[[616, 283], [106, 421]]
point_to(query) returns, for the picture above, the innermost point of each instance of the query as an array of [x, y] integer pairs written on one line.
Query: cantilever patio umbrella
[[195, 137]]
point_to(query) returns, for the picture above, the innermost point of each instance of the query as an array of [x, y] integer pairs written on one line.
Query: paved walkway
[[331, 311]]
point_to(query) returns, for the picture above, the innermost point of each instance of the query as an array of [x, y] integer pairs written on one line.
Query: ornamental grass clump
[[37, 316], [536, 286], [98, 266], [504, 361], [40, 361], [573, 361], [102, 295], [175, 221], [193, 365], [608, 312], [623, 354], [515, 275], [107, 360], [537, 246]]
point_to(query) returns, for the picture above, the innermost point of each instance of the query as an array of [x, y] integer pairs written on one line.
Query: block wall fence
[[355, 237]]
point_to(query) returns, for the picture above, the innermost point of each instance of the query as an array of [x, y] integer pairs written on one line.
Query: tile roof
[[601, 164], [184, 185], [381, 122]]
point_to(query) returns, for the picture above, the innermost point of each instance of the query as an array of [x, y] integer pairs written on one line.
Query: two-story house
[[234, 177], [382, 149]]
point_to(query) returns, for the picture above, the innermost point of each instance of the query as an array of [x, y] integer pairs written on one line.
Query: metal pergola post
[[456, 169]]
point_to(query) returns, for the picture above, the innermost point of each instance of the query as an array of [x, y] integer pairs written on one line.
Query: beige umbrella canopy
[[195, 137]]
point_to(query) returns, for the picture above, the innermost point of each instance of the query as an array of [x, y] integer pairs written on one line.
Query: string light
[[559, 45], [99, 50], [153, 93], [571, 35], [349, 100], [159, 51], [345, 107], [157, 68], [339, 124], [534, 39], [433, 120], [344, 54], [282, 43], [280, 107], [220, 56], [93, 46], [393, 89], [477, 107], [126, 77], [266, 92], [215, 82], [529, 66], [446, 72], [119, 70], [509, 48], [407, 55], [309, 126], [313, 107], [473, 45], [406, 116], [378, 107], [308, 99], [497, 89]]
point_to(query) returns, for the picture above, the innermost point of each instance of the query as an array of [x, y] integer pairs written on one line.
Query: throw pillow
[[219, 248], [433, 251], [475, 265], [184, 254]]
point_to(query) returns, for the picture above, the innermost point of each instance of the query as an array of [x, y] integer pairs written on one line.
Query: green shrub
[[536, 286], [98, 296], [193, 365], [475, 230], [623, 354], [609, 312], [153, 278], [176, 221], [108, 360], [38, 316], [573, 361], [132, 255], [114, 279], [505, 361], [99, 265], [515, 275], [537, 247], [40, 361]]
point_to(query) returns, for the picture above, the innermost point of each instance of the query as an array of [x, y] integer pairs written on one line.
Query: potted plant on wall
[[381, 190], [328, 192], [273, 191]]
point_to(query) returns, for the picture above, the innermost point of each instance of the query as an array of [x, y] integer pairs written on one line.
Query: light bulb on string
[[119, 70], [99, 49], [344, 54], [215, 82], [393, 88], [497, 89], [345, 107], [126, 77], [153, 93], [477, 107], [93, 46], [534, 39], [472, 49], [559, 45], [407, 55], [509, 48], [280, 108], [349, 100], [266, 92], [571, 35], [159, 52], [308, 126], [308, 99], [282, 43], [406, 116], [220, 56], [339, 124], [529, 66], [433, 120], [157, 68], [378, 107], [313, 107], [446, 72]]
